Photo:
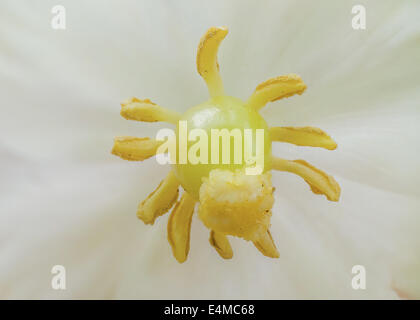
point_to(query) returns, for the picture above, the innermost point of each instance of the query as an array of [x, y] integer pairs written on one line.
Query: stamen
[[146, 110], [160, 200], [275, 89], [303, 136], [207, 65], [179, 227], [266, 245], [232, 201], [319, 181], [221, 243], [135, 149]]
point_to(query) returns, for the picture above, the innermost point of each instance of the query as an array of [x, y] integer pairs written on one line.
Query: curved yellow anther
[[319, 181], [275, 89], [221, 243], [303, 136], [135, 149], [266, 245], [207, 65], [179, 227], [160, 200], [146, 110]]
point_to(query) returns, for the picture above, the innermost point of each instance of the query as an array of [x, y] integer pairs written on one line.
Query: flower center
[[237, 137]]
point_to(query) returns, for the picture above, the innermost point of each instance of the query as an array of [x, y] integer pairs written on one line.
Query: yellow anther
[[207, 65], [319, 181], [221, 243], [135, 149], [266, 245], [275, 89], [160, 200], [179, 227], [303, 136], [146, 110]]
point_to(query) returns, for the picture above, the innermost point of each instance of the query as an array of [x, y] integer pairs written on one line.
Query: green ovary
[[222, 112]]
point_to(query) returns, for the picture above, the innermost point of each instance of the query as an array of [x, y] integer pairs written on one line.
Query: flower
[[231, 202], [66, 201]]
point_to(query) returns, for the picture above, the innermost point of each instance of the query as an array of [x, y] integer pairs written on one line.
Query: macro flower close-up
[[329, 190]]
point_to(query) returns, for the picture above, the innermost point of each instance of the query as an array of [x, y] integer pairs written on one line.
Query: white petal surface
[[65, 200]]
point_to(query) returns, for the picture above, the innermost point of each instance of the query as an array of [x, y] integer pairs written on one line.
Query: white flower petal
[[66, 200]]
